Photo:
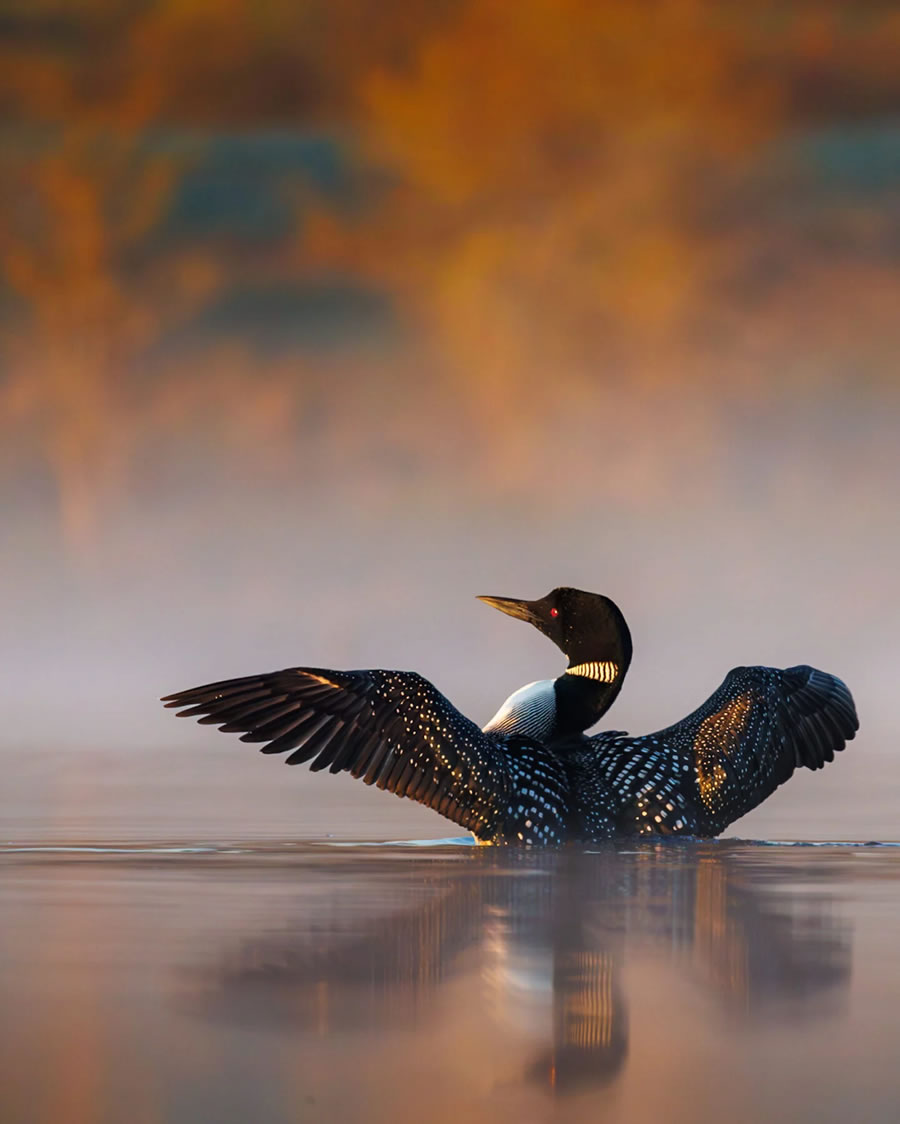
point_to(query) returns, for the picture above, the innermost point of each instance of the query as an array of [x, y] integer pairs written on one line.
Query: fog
[[290, 379]]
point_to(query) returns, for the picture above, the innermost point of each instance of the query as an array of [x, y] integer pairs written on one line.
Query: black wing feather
[[396, 730], [714, 766]]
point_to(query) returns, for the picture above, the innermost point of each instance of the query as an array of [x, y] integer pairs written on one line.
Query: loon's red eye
[[554, 612]]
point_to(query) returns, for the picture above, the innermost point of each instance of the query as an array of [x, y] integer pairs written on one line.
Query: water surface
[[312, 982]]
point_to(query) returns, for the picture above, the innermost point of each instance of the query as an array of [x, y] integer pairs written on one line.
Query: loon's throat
[[601, 671], [584, 692]]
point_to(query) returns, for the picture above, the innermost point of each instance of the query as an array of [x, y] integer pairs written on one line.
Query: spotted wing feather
[[395, 730], [714, 766]]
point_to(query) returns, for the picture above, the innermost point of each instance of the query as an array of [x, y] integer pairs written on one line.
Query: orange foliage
[[69, 218], [550, 224]]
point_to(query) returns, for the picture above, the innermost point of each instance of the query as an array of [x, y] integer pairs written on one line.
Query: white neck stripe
[[603, 671]]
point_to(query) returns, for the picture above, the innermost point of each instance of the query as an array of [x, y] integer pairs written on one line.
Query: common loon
[[532, 776]]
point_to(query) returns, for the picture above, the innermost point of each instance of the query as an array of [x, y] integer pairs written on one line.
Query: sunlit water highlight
[[239, 980]]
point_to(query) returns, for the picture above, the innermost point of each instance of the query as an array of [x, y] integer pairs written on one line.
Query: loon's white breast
[[530, 711]]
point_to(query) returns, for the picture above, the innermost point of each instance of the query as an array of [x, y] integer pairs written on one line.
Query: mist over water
[[302, 347], [306, 343], [92, 753]]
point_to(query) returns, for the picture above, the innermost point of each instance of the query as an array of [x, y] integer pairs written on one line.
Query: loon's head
[[586, 627]]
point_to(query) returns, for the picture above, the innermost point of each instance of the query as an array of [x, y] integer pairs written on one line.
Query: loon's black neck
[[581, 702], [599, 651]]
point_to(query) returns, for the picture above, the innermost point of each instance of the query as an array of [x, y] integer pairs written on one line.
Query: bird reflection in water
[[550, 933]]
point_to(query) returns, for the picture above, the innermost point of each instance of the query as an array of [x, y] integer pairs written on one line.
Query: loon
[[532, 775]]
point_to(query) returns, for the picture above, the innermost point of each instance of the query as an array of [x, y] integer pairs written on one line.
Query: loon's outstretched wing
[[396, 730], [701, 774]]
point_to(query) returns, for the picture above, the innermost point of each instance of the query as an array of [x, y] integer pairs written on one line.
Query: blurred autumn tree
[[91, 100], [80, 192], [561, 148], [556, 187], [561, 167]]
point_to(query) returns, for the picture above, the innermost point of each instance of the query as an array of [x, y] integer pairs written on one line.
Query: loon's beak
[[523, 610]]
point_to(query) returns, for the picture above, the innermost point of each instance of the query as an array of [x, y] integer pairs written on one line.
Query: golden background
[[318, 319]]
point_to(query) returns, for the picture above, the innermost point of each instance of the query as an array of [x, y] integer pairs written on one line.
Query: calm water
[[268, 983]]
